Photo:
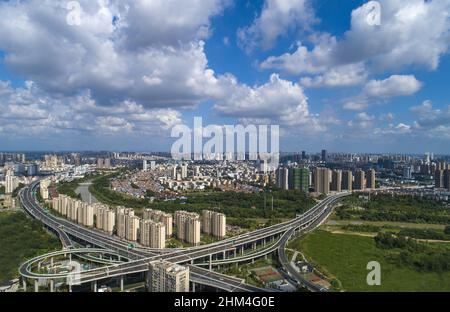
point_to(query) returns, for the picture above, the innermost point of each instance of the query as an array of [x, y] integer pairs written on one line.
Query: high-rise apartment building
[[11, 182], [299, 179], [43, 188], [282, 177], [214, 223], [167, 277], [132, 228], [371, 175], [85, 214], [439, 178], [159, 216], [347, 180], [174, 172], [144, 165], [107, 163], [152, 234], [446, 179], [122, 215], [184, 171], [336, 181], [188, 226], [360, 179], [322, 180]]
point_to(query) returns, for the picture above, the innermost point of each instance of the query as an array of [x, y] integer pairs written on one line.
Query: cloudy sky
[[119, 74]]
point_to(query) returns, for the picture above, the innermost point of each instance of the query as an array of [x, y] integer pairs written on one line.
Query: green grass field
[[345, 257]]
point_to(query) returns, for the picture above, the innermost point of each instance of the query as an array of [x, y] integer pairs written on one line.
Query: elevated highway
[[269, 239]]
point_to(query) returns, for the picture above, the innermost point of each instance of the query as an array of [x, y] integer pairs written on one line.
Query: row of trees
[[396, 208], [413, 254]]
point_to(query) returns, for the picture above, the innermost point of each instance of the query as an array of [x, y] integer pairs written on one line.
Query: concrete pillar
[[51, 261], [254, 246], [36, 286], [210, 262], [192, 262], [264, 242], [39, 265], [24, 284], [121, 283], [253, 261], [52, 286], [70, 288], [94, 286], [224, 254], [242, 249], [70, 257], [193, 287], [234, 252]]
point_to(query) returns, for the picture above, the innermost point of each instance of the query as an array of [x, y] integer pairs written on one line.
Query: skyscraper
[[324, 155]]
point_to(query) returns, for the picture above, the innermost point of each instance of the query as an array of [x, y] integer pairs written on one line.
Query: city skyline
[[120, 78]]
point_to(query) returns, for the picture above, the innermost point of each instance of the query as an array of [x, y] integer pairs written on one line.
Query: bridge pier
[[210, 262], [24, 284], [254, 246], [121, 283], [36, 286], [224, 255], [52, 285], [70, 288], [193, 287], [242, 249], [51, 261], [94, 286]]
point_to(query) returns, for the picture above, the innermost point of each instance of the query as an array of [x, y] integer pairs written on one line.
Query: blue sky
[[317, 68]]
